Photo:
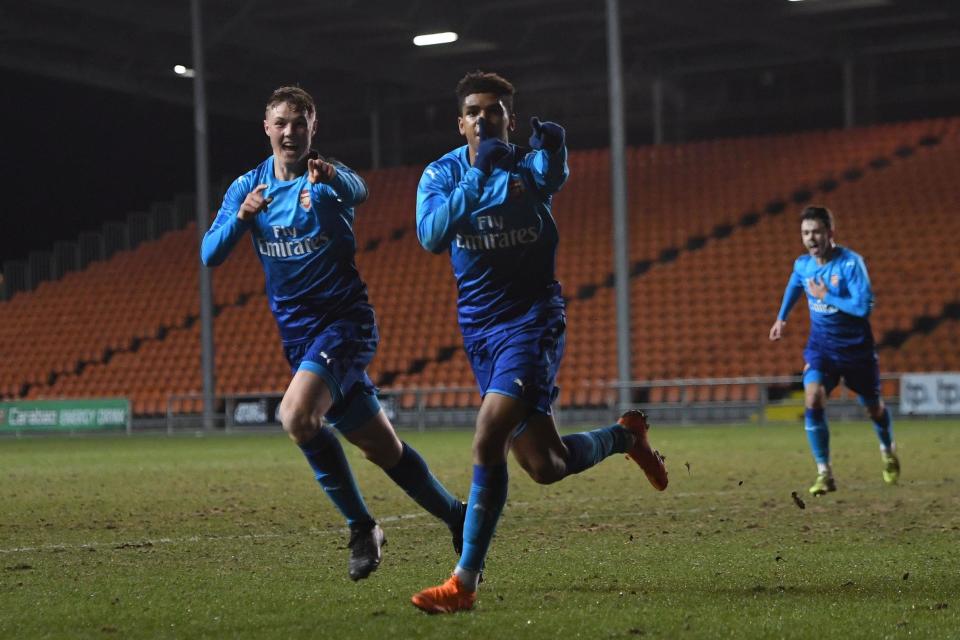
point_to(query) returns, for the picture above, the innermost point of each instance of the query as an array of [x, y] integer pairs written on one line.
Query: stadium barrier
[[683, 401], [65, 416], [930, 393], [745, 399], [406, 408]]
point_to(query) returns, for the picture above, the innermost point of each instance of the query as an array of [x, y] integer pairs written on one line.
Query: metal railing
[[666, 401], [456, 406], [754, 407]]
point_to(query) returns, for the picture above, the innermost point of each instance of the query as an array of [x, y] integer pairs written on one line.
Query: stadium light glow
[[181, 70], [427, 39]]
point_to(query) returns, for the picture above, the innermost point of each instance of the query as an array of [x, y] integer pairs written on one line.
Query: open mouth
[[289, 146]]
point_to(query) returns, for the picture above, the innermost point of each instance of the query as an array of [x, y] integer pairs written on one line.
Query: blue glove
[[491, 149], [546, 135]]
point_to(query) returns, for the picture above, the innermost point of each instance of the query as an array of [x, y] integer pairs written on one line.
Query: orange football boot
[[642, 453], [449, 597]]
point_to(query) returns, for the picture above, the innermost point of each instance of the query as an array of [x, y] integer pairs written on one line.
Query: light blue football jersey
[[499, 230], [839, 324], [304, 241]]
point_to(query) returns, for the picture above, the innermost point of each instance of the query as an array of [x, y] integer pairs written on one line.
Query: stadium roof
[[714, 57]]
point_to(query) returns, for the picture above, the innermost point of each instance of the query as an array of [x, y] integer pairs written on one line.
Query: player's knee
[[490, 447], [488, 450], [490, 441], [815, 400], [874, 411], [297, 421]]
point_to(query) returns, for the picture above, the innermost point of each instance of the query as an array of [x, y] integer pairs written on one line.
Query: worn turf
[[229, 537]]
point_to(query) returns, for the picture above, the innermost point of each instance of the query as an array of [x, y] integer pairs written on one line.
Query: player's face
[[816, 237], [490, 108], [290, 132]]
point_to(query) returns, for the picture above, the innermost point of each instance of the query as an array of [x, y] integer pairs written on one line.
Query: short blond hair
[[300, 100]]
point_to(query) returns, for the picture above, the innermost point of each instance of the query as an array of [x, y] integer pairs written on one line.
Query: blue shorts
[[340, 355], [860, 374], [520, 361]]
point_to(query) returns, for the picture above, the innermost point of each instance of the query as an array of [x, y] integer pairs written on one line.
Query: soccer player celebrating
[[488, 203], [299, 210], [840, 344]]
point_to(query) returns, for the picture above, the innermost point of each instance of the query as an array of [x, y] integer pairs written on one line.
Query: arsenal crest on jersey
[[835, 280], [305, 200]]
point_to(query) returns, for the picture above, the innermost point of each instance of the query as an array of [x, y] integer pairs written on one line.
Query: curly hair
[[485, 82]]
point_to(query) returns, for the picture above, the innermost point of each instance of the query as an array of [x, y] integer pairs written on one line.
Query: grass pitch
[[230, 537]]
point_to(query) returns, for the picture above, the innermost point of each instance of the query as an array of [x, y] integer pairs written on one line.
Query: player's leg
[[548, 457], [864, 380], [315, 391], [359, 417], [499, 415], [367, 426], [525, 373], [301, 409], [883, 426], [816, 386], [527, 365], [879, 414]]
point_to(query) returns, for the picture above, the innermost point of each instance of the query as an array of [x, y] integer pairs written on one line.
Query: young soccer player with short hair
[[299, 211], [489, 204], [840, 345]]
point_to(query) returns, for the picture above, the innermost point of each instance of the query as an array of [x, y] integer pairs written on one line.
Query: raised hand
[[254, 203], [546, 135], [776, 331], [319, 170], [491, 149]]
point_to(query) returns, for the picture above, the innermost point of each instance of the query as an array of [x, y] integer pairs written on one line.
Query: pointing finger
[[260, 188], [536, 124], [484, 129]]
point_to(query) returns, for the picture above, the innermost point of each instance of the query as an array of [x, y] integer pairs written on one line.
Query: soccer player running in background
[[299, 210], [489, 204], [840, 345]]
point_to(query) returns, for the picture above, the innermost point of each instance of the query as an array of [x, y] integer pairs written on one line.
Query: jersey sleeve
[[859, 299], [227, 228], [442, 203], [550, 170], [347, 187], [791, 294]]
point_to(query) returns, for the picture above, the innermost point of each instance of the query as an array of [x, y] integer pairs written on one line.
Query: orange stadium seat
[[711, 268]]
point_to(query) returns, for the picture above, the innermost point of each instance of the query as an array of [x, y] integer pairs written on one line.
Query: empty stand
[[713, 234]]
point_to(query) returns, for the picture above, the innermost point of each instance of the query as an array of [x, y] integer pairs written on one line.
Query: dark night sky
[[76, 156]]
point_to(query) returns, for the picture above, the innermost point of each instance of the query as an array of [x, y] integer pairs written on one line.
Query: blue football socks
[[884, 430], [588, 448], [332, 471], [488, 494], [413, 476], [818, 434]]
